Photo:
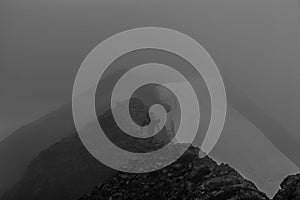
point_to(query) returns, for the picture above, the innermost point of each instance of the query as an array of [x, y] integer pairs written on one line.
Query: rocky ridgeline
[[190, 177]]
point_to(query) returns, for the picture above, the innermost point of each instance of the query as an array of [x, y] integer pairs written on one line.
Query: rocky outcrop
[[190, 177], [289, 188]]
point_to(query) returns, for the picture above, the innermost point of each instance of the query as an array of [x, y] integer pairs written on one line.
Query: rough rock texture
[[190, 177], [290, 189]]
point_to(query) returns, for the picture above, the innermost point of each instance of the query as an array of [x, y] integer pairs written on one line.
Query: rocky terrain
[[290, 188], [191, 177]]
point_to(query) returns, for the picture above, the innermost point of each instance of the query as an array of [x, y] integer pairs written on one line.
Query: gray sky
[[256, 45]]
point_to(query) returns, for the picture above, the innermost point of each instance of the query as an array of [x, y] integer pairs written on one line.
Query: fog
[[256, 45]]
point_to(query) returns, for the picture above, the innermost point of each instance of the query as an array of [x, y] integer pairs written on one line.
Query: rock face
[[290, 188], [190, 177]]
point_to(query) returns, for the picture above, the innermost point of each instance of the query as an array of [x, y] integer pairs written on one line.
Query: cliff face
[[290, 188], [190, 177]]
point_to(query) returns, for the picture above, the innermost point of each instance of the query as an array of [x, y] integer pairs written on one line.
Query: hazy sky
[[255, 43]]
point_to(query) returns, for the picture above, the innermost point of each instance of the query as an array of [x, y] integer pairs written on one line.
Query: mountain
[[24, 144], [63, 171], [66, 169], [190, 177], [242, 145], [18, 149]]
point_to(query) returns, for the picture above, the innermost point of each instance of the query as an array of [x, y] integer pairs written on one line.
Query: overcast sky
[[255, 43]]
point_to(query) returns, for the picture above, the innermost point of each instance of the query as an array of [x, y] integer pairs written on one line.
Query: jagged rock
[[190, 177], [290, 188]]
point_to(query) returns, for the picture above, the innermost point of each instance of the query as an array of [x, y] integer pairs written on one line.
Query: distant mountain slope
[[18, 149], [66, 169], [63, 171], [24, 144]]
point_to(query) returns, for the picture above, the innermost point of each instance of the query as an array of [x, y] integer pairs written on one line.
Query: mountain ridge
[[189, 178]]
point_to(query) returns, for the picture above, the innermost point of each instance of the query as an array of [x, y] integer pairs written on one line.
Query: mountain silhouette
[[241, 145], [18, 149], [64, 171], [27, 142]]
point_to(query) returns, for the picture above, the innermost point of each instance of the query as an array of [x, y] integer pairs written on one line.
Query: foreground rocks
[[290, 188], [190, 177]]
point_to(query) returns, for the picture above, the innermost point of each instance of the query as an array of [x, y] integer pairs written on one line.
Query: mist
[[255, 44]]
